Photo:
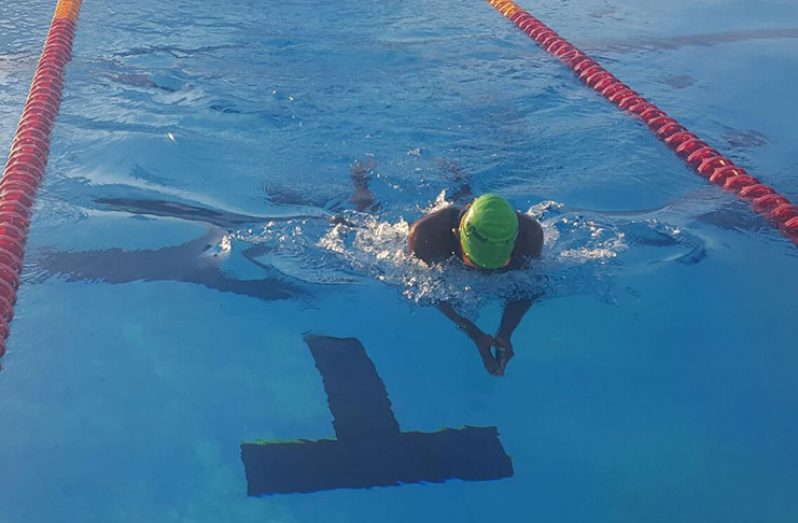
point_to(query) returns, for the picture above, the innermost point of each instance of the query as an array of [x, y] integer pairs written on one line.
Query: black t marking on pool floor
[[369, 449]]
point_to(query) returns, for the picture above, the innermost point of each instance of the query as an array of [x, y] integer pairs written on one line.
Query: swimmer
[[487, 235]]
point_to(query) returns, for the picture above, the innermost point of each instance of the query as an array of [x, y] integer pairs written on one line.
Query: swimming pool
[[181, 261]]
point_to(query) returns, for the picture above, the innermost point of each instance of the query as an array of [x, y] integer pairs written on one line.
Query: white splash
[[580, 255]]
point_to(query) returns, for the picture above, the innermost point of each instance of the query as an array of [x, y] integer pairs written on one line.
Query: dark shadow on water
[[676, 42], [173, 50], [735, 216], [196, 213], [190, 262]]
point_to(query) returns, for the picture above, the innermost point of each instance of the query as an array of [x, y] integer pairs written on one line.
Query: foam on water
[[582, 251]]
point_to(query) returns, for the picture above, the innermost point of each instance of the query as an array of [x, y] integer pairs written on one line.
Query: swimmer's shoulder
[[446, 217], [431, 238], [529, 244]]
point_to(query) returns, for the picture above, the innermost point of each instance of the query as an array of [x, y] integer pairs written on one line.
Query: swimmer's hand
[[484, 344], [504, 352]]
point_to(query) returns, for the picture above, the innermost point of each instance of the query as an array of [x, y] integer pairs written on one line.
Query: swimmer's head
[[488, 231]]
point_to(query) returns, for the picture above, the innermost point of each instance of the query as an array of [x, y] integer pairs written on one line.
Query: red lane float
[[28, 156], [705, 160]]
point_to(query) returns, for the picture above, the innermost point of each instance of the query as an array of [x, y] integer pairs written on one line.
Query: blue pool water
[[182, 249]]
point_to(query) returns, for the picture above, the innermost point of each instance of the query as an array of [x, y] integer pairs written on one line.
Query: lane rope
[[703, 158], [27, 159]]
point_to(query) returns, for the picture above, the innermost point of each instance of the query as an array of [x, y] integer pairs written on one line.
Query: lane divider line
[[27, 159], [705, 160]]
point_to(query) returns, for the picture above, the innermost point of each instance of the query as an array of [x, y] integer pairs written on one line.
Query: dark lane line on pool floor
[[369, 450]]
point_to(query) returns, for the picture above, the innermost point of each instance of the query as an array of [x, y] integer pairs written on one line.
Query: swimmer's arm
[[463, 190], [482, 340], [362, 196], [529, 244], [431, 238], [514, 312], [467, 326]]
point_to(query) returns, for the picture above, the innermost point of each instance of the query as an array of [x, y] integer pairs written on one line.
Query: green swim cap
[[488, 231]]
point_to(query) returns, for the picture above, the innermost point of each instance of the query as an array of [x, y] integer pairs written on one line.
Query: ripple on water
[[582, 253]]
